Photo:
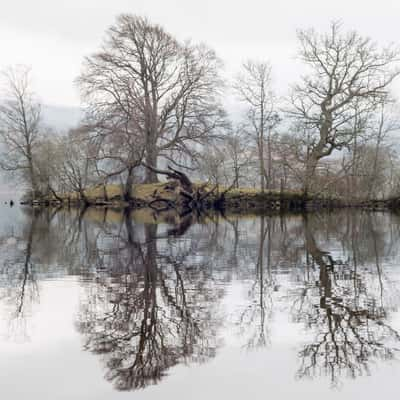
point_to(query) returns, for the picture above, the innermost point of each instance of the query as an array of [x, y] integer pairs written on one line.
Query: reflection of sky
[[11, 218], [50, 362], [53, 362]]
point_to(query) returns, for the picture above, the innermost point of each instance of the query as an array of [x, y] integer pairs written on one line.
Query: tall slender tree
[[254, 87], [19, 125]]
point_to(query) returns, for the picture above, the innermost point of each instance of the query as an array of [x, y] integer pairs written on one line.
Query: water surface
[[111, 305]]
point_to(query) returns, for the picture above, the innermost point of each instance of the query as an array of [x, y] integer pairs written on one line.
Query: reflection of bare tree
[[152, 292], [151, 312], [253, 320], [19, 288], [347, 314]]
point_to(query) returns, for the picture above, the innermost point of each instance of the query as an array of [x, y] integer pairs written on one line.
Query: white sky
[[52, 36]]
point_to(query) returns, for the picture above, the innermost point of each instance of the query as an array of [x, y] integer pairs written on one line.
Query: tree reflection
[[253, 320], [154, 309], [346, 309], [156, 290], [19, 287]]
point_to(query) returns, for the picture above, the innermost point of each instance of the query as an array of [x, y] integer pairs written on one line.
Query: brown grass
[[146, 191]]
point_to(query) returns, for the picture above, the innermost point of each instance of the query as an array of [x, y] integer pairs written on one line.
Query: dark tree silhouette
[[349, 318], [153, 311]]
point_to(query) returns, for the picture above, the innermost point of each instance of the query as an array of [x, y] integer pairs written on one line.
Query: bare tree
[[253, 86], [77, 169], [346, 69], [386, 122], [118, 154], [213, 165], [19, 125], [162, 91], [238, 156]]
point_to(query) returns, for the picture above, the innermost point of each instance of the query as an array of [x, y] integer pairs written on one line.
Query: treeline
[[151, 100]]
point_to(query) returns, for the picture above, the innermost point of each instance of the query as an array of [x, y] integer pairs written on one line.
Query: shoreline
[[236, 201]]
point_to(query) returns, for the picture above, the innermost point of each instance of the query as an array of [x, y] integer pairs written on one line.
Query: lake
[[104, 304]]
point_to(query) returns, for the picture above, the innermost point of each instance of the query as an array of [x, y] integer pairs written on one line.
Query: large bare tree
[[19, 124], [348, 75], [156, 88]]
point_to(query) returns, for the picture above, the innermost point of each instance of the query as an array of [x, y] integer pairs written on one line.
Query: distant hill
[[61, 118]]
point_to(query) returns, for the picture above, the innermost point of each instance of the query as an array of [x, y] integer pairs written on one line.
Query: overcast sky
[[52, 36]]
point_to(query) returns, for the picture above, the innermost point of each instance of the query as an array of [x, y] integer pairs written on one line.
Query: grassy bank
[[148, 192], [144, 194], [235, 200]]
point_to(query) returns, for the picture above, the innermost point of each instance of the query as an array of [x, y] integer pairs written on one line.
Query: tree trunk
[[105, 194], [82, 196], [128, 185], [151, 160], [270, 182], [310, 172], [261, 161], [55, 194], [32, 176], [236, 172]]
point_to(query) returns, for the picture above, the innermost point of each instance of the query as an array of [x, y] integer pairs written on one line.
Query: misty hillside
[[61, 118]]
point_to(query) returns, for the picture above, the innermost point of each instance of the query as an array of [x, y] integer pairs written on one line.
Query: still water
[[106, 305]]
